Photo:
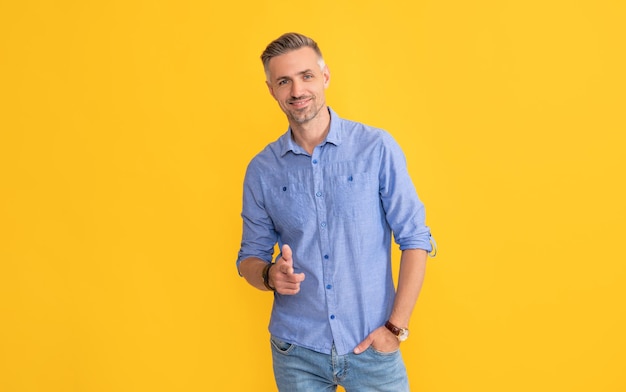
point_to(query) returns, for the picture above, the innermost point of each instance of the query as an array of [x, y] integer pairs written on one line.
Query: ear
[[326, 75]]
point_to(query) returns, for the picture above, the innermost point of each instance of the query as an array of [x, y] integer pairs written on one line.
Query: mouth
[[299, 103]]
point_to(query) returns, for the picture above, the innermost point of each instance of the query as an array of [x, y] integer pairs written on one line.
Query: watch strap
[[266, 276], [394, 330], [401, 333]]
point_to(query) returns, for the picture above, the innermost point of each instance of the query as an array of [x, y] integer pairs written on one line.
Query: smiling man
[[297, 80], [332, 193]]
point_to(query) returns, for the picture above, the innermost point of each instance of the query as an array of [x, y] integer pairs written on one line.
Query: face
[[297, 82]]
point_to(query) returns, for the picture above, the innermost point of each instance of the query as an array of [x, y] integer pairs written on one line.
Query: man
[[330, 192]]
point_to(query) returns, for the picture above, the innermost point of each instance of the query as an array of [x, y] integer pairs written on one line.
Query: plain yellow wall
[[126, 127]]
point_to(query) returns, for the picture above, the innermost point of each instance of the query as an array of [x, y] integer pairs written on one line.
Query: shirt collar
[[334, 136]]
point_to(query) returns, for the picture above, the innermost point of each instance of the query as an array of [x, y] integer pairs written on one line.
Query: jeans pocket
[[383, 353], [281, 346]]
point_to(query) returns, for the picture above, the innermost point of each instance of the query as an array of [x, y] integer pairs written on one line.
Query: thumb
[[287, 254], [363, 345], [288, 260]]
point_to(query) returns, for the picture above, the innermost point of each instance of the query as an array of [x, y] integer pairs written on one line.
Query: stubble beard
[[305, 115]]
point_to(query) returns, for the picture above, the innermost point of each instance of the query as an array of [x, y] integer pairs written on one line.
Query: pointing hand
[[282, 276]]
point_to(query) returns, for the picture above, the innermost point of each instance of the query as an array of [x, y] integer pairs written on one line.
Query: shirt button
[[326, 257], [332, 316], [329, 286], [323, 224], [318, 194], [315, 161]]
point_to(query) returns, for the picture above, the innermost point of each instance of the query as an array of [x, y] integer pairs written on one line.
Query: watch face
[[403, 335]]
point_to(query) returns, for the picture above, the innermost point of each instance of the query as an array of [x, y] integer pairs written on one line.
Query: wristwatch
[[401, 333]]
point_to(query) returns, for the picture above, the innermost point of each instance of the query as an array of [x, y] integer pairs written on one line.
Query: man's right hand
[[282, 276]]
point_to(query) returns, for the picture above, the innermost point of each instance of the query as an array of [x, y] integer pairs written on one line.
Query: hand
[[281, 275], [381, 339]]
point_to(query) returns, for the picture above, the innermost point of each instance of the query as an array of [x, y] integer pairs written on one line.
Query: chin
[[306, 116], [300, 118]]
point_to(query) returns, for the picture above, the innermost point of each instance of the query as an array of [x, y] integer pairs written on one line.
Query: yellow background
[[126, 127]]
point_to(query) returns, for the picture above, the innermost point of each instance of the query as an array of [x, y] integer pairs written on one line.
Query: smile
[[300, 102]]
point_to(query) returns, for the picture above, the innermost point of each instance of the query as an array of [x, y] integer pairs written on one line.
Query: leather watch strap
[[394, 330], [266, 276]]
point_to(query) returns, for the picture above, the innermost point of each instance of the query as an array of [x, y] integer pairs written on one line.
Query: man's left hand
[[381, 339]]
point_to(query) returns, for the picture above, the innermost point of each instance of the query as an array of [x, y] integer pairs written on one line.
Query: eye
[[308, 76], [282, 82]]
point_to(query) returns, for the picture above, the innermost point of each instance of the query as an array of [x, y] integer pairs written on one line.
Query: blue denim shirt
[[337, 210]]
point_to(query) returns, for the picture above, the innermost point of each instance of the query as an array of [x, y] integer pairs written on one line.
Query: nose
[[297, 88]]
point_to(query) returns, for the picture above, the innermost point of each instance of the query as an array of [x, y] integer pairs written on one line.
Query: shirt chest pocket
[[353, 195], [288, 206]]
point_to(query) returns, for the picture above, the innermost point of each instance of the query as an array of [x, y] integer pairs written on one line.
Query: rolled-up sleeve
[[404, 210], [258, 234]]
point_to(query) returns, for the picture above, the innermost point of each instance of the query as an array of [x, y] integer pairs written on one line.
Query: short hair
[[287, 43]]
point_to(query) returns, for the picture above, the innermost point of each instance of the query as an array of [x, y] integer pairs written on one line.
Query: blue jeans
[[297, 369]]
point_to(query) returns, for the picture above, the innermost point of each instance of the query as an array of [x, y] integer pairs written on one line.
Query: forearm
[[252, 269], [410, 280]]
